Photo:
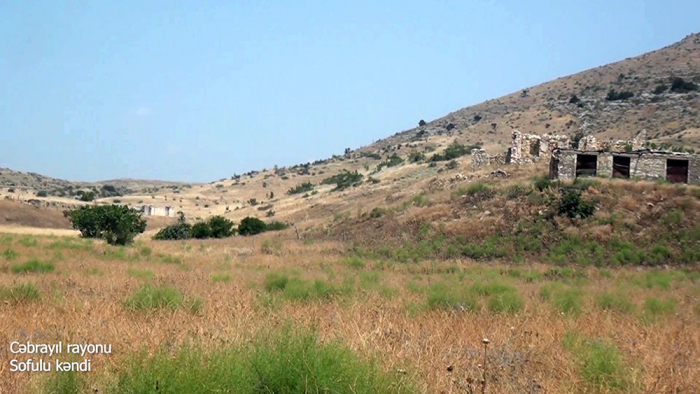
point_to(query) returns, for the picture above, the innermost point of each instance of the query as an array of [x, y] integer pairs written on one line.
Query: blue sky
[[200, 90]]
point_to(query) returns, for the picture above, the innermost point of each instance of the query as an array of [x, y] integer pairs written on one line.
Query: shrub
[[572, 205], [377, 212], [201, 230], [391, 161], [220, 227], [174, 232], [301, 188], [41, 193], [32, 266], [117, 224], [276, 225], [251, 226], [87, 196], [416, 157], [660, 89], [615, 96], [679, 85]]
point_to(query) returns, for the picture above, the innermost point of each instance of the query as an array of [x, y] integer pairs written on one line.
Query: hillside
[[547, 108], [399, 166]]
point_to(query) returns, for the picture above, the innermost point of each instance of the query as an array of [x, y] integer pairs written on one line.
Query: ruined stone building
[[642, 164], [150, 210], [528, 148]]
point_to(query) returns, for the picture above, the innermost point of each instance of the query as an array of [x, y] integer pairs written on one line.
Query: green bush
[[613, 95], [276, 226], [679, 85], [220, 227], [117, 224], [214, 227], [174, 232], [201, 230], [41, 193], [572, 205], [251, 226]]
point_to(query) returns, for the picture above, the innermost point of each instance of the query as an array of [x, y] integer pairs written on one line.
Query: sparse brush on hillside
[[344, 180], [391, 161], [301, 188], [453, 151], [588, 222]]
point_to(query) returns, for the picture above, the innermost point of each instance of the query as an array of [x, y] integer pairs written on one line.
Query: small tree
[[117, 224], [421, 123], [201, 230], [220, 227], [251, 226]]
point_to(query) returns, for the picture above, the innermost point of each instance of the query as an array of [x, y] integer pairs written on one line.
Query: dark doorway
[[586, 165], [677, 171], [621, 167]]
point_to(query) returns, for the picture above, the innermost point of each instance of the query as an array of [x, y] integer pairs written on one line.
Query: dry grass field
[[420, 276], [414, 323]]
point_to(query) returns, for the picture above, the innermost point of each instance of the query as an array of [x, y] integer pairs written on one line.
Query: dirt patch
[[18, 214]]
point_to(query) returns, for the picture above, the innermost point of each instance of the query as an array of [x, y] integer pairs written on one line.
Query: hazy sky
[[200, 90]]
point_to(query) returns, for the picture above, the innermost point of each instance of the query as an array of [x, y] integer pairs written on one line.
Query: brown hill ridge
[[578, 103]]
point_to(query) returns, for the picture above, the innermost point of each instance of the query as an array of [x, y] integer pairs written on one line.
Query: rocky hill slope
[[664, 100]]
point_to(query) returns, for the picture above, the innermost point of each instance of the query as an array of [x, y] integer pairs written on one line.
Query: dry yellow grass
[[82, 301]]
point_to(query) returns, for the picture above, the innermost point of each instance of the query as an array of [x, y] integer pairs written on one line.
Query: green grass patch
[[655, 308], [284, 362], [150, 297], [32, 266], [216, 278], [614, 302], [9, 254], [136, 273], [19, 293], [28, 241], [443, 296], [600, 364], [168, 259], [71, 243]]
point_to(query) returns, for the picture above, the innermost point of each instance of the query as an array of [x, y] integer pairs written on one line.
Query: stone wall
[[650, 165], [528, 148], [150, 210]]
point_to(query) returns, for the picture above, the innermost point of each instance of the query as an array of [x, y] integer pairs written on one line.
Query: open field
[[551, 329]]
